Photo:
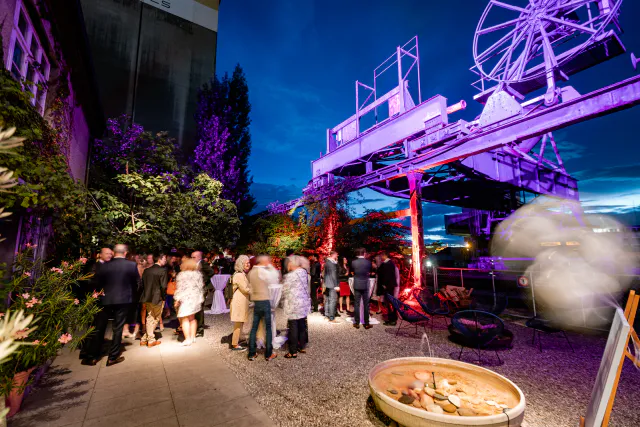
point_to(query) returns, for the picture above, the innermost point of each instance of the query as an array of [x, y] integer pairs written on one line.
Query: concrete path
[[164, 386]]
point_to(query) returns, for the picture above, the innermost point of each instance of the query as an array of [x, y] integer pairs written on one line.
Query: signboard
[[611, 359], [201, 12], [523, 281]]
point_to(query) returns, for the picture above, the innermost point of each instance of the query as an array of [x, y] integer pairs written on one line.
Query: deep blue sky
[[302, 58]]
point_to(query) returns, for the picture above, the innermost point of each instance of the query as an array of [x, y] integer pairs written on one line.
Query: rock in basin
[[410, 416]]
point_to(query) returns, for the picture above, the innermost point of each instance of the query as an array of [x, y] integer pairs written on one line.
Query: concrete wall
[[175, 58]]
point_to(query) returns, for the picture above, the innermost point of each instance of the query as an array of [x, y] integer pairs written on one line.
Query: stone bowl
[[409, 416]]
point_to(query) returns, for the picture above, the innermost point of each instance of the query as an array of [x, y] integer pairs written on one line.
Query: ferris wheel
[[519, 41]]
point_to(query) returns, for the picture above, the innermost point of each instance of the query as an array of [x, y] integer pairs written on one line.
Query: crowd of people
[[138, 291]]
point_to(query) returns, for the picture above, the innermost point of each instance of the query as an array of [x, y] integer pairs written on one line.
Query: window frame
[[28, 59]]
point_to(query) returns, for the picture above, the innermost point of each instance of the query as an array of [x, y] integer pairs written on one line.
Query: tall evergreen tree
[[227, 137]]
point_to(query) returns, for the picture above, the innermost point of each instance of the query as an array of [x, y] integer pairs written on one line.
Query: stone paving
[[164, 386]]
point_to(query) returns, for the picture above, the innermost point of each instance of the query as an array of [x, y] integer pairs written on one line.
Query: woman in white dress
[[188, 298], [297, 304]]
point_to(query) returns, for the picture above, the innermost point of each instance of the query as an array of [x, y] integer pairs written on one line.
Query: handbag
[[228, 290], [171, 287]]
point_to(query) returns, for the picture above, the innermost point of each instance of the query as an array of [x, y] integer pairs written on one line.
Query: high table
[[275, 293], [372, 286], [218, 304]]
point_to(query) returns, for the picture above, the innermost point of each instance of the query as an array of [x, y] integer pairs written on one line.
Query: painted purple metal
[[415, 153]]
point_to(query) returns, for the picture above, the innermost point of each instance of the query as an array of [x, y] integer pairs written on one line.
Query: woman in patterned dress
[[188, 298], [297, 304]]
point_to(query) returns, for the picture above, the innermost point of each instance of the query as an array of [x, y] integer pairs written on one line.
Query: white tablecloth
[[218, 305], [372, 286], [275, 293]]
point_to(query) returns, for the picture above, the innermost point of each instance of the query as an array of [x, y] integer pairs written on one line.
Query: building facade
[[151, 57], [45, 46]]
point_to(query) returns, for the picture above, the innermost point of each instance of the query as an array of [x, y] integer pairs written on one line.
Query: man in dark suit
[[119, 280], [387, 279], [361, 268], [207, 273], [331, 285], [315, 270], [154, 280]]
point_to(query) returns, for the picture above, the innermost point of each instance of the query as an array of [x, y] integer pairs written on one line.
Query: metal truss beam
[[601, 102]]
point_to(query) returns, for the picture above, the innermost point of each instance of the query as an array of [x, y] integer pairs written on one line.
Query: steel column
[[417, 229]]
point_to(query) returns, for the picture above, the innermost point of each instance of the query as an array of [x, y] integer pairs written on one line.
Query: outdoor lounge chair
[[541, 326], [431, 305], [407, 313], [477, 330]]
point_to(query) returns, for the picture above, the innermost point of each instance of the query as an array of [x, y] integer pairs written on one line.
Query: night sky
[[302, 58]]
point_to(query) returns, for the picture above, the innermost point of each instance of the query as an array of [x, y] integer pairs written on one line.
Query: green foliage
[[61, 319], [274, 234], [154, 212], [45, 187]]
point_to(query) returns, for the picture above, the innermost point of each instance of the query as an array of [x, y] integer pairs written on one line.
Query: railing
[[520, 287]]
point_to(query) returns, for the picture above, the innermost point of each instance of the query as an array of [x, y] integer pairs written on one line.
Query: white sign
[[611, 359], [201, 12]]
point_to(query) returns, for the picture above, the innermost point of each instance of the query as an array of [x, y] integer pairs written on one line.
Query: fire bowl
[[387, 379]]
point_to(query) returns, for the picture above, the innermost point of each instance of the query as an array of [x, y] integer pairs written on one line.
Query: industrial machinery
[[525, 51]]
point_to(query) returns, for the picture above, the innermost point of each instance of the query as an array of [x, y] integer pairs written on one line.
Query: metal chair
[[432, 306], [542, 326], [479, 330], [407, 313]]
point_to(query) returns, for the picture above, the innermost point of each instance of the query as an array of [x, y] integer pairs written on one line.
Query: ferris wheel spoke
[[500, 26], [506, 58], [509, 6], [570, 24], [550, 57], [520, 65], [568, 6], [484, 55]]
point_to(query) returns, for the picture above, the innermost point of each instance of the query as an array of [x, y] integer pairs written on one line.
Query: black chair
[[477, 330], [431, 305], [407, 313], [541, 326]]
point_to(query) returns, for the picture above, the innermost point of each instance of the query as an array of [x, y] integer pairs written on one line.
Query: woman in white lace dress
[[188, 298], [297, 304]]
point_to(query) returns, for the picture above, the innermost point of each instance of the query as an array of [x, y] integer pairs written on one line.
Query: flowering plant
[[47, 294]]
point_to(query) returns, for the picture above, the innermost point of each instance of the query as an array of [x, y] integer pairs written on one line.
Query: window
[[27, 60]]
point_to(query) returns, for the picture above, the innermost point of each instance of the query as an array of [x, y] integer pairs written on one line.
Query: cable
[[504, 411]]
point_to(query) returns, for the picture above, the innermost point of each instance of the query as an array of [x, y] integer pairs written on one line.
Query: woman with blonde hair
[[240, 300], [188, 298], [297, 304]]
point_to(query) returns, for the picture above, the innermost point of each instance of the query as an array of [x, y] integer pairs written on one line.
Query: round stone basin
[[490, 398]]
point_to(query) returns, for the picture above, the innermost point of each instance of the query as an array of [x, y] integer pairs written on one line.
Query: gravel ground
[[328, 386]]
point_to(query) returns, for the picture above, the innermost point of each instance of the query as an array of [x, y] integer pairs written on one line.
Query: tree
[[156, 211], [222, 121], [129, 148]]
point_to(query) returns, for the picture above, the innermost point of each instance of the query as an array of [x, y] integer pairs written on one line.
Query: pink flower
[[83, 260], [65, 338], [35, 300], [23, 333], [44, 343], [26, 274], [1, 315], [57, 270], [96, 294], [65, 264], [29, 304], [26, 296], [29, 245], [76, 301], [36, 342]]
